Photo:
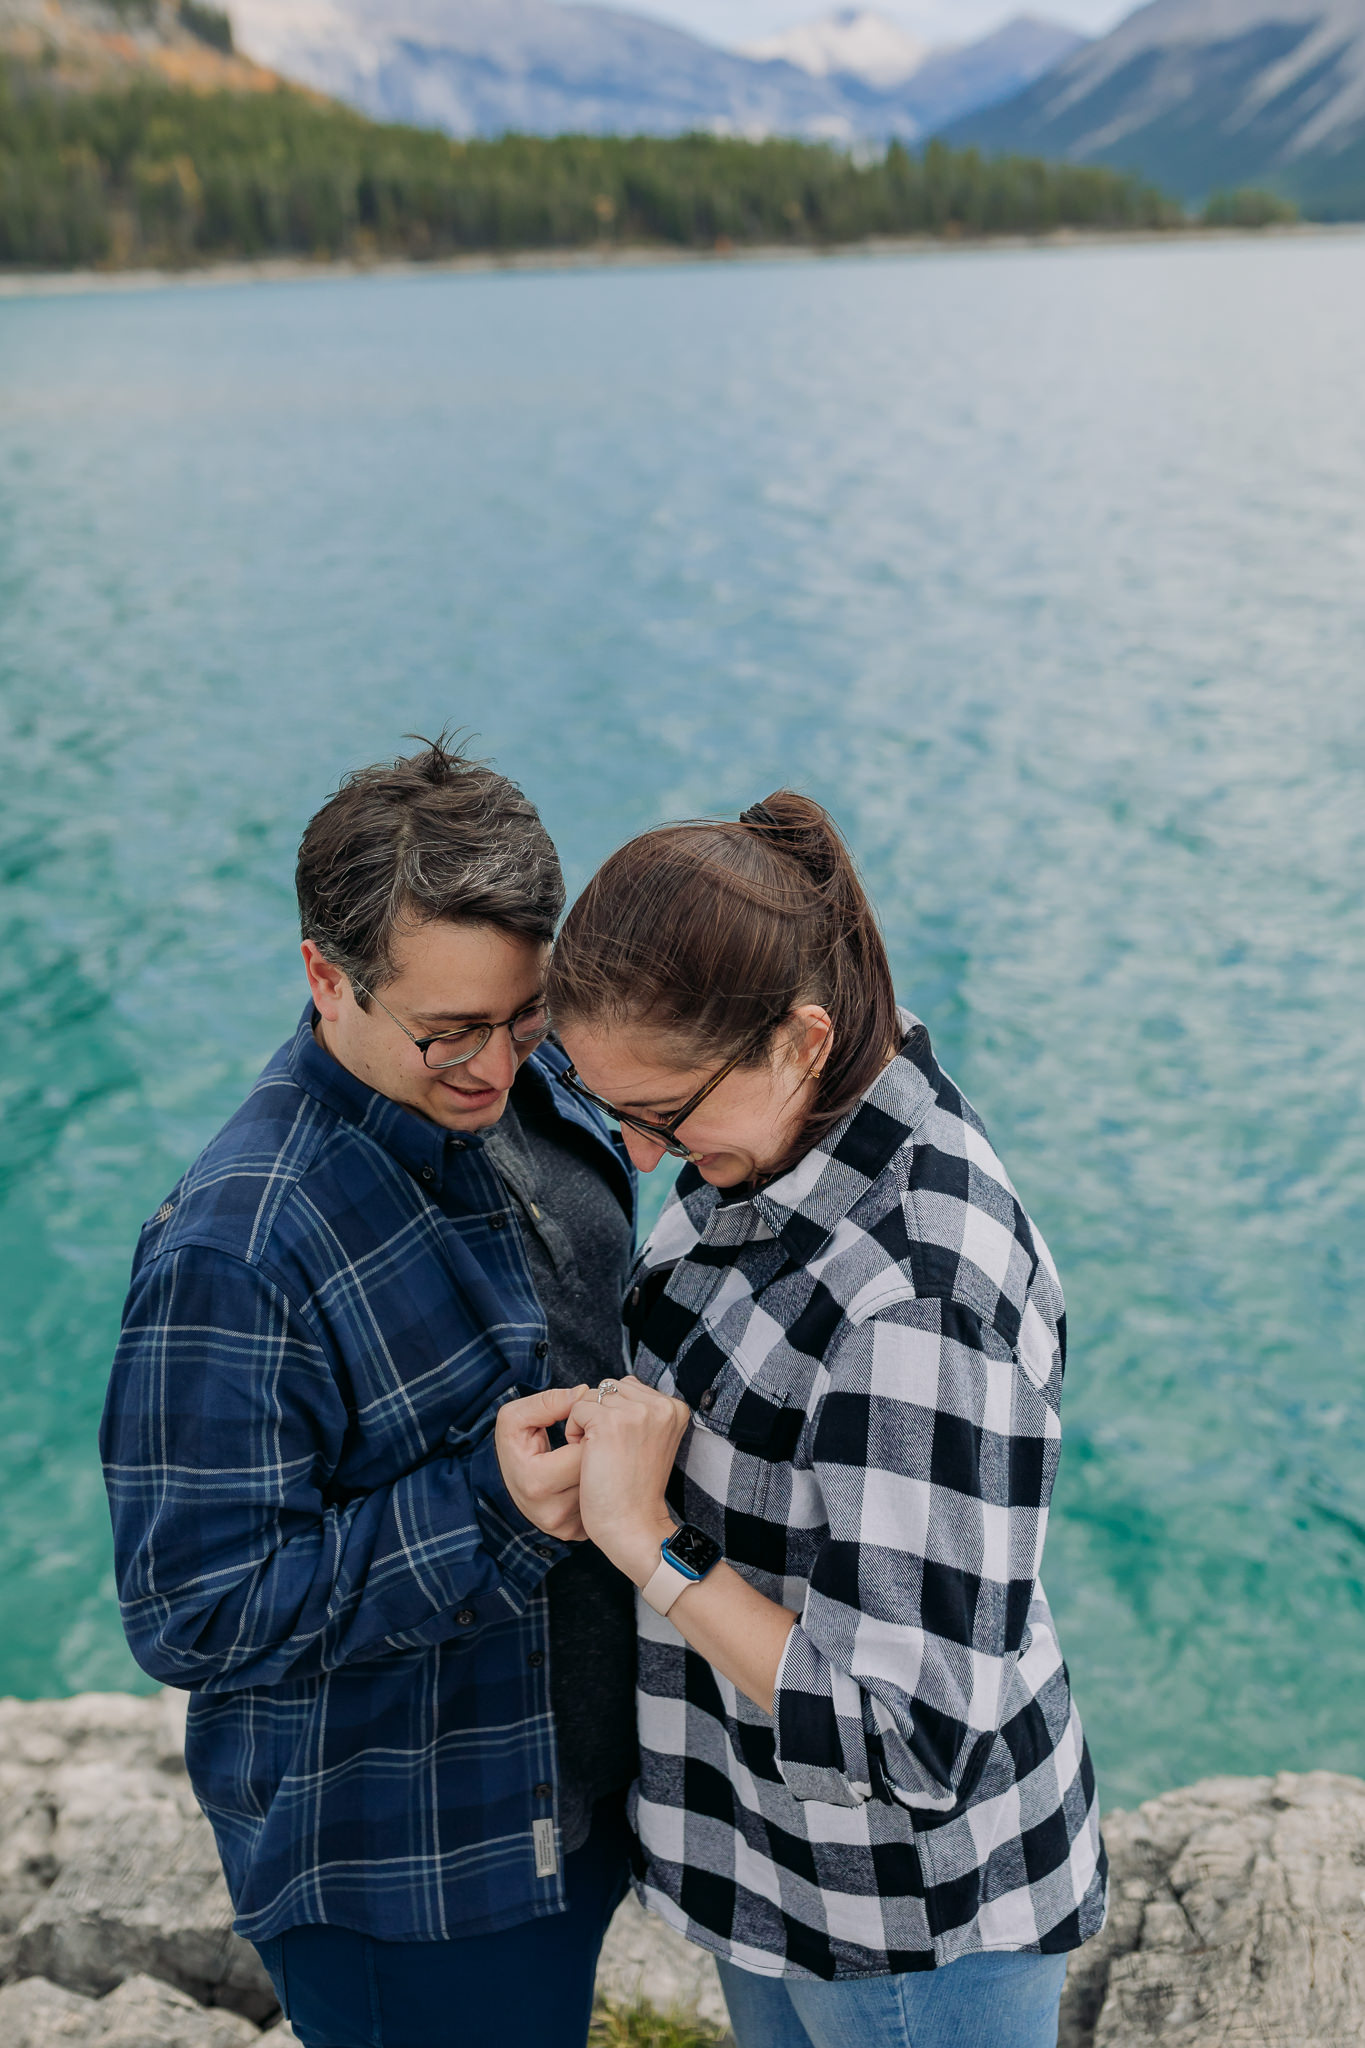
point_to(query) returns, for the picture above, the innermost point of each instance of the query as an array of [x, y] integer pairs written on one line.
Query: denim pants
[[983, 2001], [527, 1987]]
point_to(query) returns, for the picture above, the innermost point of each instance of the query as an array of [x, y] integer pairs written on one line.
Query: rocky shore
[[1237, 1917]]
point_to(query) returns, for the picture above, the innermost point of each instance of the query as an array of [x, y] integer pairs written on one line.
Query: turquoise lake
[[1045, 570]]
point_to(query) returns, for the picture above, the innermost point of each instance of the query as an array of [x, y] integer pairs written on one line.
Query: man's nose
[[495, 1064]]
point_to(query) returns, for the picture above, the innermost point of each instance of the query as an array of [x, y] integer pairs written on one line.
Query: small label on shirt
[[543, 1834]]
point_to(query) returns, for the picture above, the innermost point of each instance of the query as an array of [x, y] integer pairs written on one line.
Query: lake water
[[1045, 570]]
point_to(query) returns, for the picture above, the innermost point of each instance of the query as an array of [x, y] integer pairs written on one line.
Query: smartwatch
[[684, 1558]]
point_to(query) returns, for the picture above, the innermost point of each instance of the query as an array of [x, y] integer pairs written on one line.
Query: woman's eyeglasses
[[452, 1048], [663, 1134]]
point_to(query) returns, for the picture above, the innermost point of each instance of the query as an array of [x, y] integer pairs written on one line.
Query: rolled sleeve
[[935, 1453]]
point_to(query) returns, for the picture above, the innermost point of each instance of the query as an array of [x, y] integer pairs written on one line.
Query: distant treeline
[[160, 176]]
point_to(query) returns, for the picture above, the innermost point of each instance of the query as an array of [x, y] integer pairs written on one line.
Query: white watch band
[[664, 1587]]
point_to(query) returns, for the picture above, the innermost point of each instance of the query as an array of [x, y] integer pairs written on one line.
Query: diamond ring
[[607, 1387]]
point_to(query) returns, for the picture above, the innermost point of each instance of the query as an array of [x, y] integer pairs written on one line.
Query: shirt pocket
[[751, 1390]]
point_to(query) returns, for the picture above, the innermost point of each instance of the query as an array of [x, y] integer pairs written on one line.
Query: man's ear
[[327, 983]]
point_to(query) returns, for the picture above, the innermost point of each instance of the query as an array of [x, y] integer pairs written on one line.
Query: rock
[[141, 2013], [108, 1869], [1237, 1917], [643, 1958]]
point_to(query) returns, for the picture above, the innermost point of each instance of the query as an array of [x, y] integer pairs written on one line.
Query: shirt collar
[[417, 1145], [805, 1205]]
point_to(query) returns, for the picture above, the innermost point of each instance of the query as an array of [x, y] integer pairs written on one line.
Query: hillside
[[87, 45], [151, 175], [1207, 94]]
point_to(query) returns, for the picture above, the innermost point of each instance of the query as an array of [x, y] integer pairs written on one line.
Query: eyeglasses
[[528, 1028], [663, 1134]]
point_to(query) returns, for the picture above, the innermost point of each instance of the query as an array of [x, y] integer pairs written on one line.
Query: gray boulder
[[141, 2013], [108, 1869], [644, 1960], [1237, 1920]]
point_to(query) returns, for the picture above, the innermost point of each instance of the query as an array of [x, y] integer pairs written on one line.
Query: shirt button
[[457, 1144], [544, 1791], [545, 1550], [497, 1223], [707, 1401], [465, 1617], [428, 1173], [536, 1659], [542, 1349]]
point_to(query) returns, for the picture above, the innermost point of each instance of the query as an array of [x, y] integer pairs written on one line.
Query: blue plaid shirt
[[312, 1534]]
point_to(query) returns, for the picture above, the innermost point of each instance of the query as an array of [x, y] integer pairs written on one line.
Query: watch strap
[[663, 1588]]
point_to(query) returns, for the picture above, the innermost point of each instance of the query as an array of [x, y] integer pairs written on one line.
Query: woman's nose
[[645, 1153]]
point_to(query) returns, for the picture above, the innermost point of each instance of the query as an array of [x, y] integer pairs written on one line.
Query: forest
[[154, 175]]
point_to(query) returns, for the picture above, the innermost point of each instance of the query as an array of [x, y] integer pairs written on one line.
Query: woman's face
[[744, 1128]]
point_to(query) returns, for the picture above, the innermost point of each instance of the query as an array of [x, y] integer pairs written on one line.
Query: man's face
[[448, 975]]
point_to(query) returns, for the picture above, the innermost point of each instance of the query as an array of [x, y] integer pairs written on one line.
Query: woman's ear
[[811, 1037]]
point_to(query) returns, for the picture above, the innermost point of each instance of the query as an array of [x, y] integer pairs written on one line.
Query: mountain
[[863, 49], [1207, 94], [853, 43], [977, 75], [483, 67]]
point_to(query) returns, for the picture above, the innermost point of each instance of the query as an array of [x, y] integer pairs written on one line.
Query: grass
[[640, 2026]]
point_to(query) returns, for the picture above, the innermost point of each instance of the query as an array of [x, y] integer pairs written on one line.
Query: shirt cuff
[[522, 1553], [818, 1721]]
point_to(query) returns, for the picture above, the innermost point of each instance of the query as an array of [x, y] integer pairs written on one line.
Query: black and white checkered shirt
[[872, 1348]]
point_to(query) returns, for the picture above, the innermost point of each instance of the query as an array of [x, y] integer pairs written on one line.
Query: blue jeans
[[528, 1987], [985, 2001]]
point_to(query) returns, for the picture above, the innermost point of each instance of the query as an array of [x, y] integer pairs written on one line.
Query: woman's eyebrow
[[674, 1100]]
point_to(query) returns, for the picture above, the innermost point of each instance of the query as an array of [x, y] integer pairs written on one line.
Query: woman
[[863, 1782]]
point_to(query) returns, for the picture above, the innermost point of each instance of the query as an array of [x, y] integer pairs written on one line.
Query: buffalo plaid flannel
[[873, 1349], [312, 1535]]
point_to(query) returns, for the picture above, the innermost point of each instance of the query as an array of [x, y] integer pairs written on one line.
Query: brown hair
[[712, 933], [433, 835]]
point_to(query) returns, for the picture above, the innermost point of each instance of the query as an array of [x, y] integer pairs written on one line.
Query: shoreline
[[48, 284]]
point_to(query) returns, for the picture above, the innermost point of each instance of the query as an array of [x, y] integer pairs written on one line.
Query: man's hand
[[543, 1483]]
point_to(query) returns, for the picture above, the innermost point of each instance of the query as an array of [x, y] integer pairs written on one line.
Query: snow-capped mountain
[[854, 42], [1206, 93], [481, 67]]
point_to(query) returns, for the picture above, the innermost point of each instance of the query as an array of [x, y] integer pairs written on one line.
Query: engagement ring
[[607, 1387]]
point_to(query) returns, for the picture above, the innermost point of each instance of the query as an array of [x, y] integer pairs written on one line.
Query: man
[[339, 1519]]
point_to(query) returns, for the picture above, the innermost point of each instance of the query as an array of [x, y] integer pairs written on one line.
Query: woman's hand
[[630, 1439]]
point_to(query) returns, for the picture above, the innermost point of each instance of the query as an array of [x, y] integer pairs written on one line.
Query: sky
[[939, 21]]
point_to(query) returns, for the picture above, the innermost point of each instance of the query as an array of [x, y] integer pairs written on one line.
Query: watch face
[[694, 1550]]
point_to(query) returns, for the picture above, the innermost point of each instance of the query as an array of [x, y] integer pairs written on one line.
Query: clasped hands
[[607, 1480]]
